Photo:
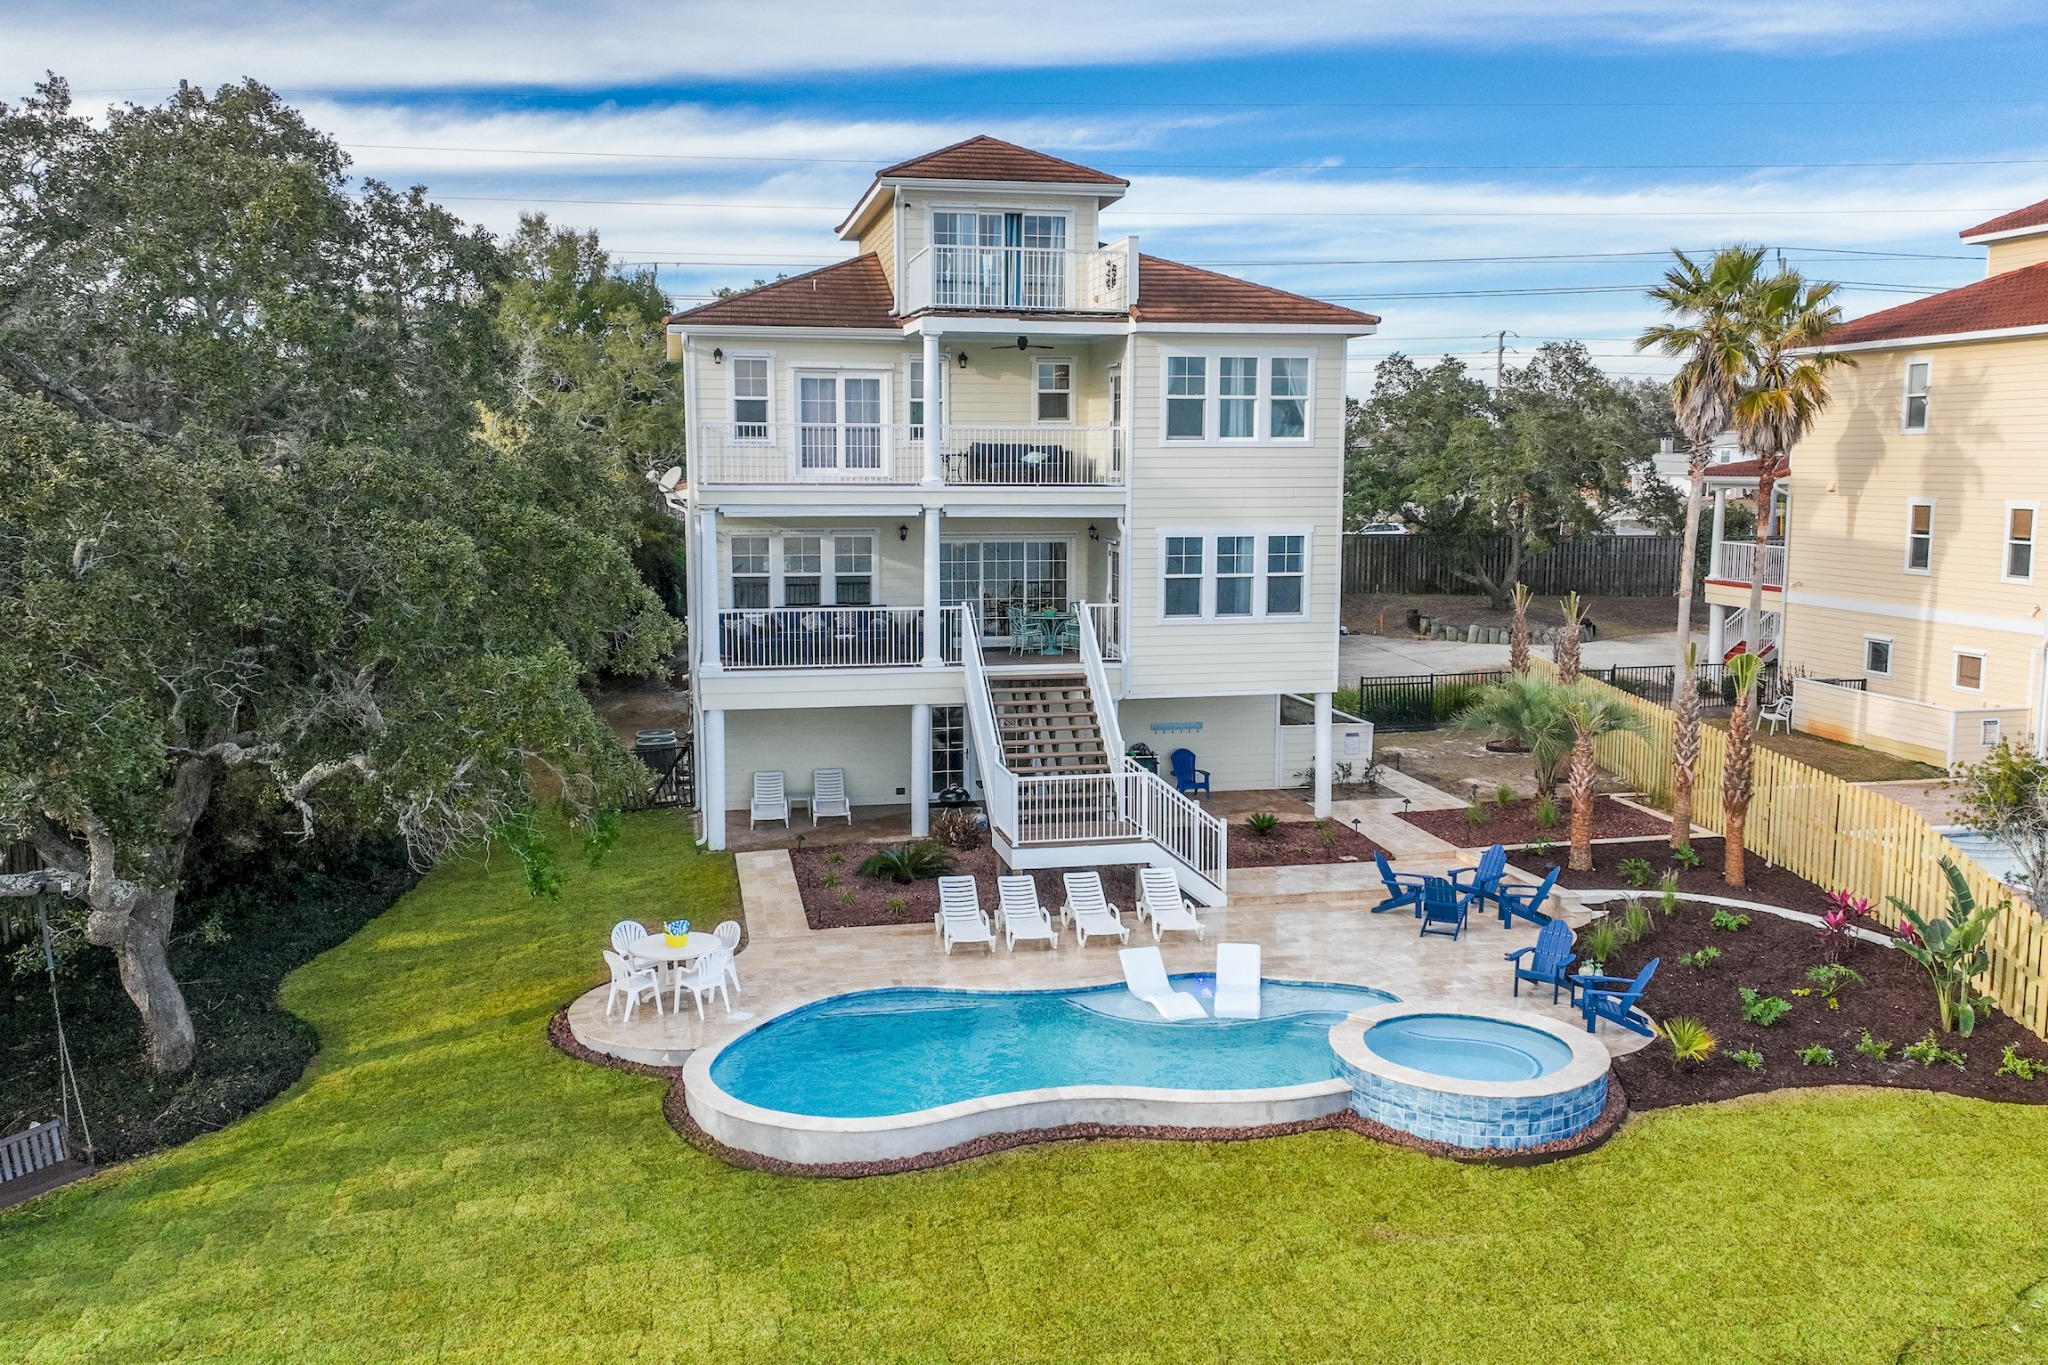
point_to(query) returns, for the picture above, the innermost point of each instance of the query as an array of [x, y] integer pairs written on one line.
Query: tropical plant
[[2012, 1063], [1546, 817], [1691, 1041], [1950, 948], [1786, 319], [1475, 815], [1834, 926], [1503, 794], [1729, 921], [1762, 1010], [1636, 921], [1738, 770], [1518, 631], [1684, 856], [1817, 1055], [1831, 977], [1603, 941], [1567, 646], [1746, 1057], [1701, 957], [1929, 1050], [1591, 714], [1874, 1048], [917, 860], [958, 828], [1529, 709], [1262, 823], [1634, 871], [2004, 796], [896, 905]]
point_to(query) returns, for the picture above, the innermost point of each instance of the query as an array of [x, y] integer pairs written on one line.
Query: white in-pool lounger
[[1237, 981], [1145, 974]]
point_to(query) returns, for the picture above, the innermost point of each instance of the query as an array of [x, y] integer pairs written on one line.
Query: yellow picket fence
[[1842, 837]]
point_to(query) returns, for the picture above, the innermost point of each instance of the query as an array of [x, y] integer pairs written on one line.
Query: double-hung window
[[750, 572], [1290, 398], [1237, 403], [839, 423], [917, 400], [1055, 382], [750, 398], [1919, 379], [1233, 574], [1187, 397], [1235, 561], [1920, 537], [1184, 575], [2019, 544], [1285, 573]]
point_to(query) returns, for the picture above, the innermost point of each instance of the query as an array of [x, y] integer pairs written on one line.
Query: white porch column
[[711, 779], [934, 414], [1717, 633], [1720, 525], [920, 770], [1323, 757], [704, 593], [934, 619]]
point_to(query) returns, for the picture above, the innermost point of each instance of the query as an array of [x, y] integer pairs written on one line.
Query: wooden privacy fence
[[1842, 837], [1598, 566]]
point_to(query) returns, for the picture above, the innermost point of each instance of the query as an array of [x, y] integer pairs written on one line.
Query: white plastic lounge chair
[[828, 795], [728, 936], [771, 800], [960, 918], [1088, 912], [1160, 900], [1145, 974], [1019, 915], [1237, 981], [632, 982], [705, 975]]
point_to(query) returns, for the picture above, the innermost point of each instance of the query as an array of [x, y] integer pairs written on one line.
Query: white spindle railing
[[32, 1149], [1055, 808], [1021, 278], [1178, 823], [998, 783], [993, 457], [821, 637], [1099, 690], [1735, 560], [1106, 619]]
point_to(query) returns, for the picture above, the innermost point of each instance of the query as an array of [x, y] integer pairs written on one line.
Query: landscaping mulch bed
[[1769, 885], [1515, 823], [1294, 843], [853, 901], [1895, 1002]]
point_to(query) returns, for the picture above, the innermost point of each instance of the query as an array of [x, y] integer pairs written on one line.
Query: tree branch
[[70, 393], [295, 792], [19, 884]]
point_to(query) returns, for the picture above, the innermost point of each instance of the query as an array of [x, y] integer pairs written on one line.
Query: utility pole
[[1500, 346]]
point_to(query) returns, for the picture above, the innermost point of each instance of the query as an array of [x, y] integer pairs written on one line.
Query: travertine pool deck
[[1312, 923]]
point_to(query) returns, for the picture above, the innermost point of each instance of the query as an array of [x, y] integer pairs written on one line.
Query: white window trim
[[1072, 542], [1906, 555], [732, 399], [1208, 535], [1906, 395], [1889, 646], [828, 587], [2005, 574], [1983, 667], [1262, 410], [883, 370], [1073, 390]]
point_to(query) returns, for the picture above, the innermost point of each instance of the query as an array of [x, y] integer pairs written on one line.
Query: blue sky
[[1391, 156]]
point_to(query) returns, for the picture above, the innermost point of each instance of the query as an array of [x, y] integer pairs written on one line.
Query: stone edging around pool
[[676, 1109]]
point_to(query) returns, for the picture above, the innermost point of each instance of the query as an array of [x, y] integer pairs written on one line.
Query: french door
[[997, 575], [839, 425], [999, 260]]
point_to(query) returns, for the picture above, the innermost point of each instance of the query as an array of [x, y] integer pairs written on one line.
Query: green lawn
[[445, 1185]]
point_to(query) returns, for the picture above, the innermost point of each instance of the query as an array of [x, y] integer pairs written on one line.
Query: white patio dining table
[[657, 948]]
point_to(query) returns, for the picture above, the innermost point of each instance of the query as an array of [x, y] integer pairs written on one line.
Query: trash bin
[[1146, 759]]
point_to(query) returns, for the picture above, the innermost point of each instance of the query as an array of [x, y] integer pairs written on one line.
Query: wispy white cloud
[[413, 44]]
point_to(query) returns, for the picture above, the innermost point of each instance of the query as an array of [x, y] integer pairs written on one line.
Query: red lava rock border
[[674, 1108]]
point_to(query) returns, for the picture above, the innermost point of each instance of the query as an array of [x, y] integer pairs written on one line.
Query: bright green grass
[[444, 1185]]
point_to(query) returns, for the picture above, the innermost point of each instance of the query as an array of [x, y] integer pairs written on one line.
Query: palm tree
[[1529, 709], [1518, 633], [1568, 639], [1591, 712], [1788, 388], [1709, 329], [1738, 776]]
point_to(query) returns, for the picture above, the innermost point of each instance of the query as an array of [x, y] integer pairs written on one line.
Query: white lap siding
[[1236, 741], [872, 743]]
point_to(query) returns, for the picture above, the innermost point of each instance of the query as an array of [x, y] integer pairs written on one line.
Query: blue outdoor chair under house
[[1186, 776], [1549, 961]]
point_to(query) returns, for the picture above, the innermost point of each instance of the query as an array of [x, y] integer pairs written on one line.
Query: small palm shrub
[[1603, 941], [1546, 813], [1262, 823], [1636, 922], [917, 860], [1690, 1040]]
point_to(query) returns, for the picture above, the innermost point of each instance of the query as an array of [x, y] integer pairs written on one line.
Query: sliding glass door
[[996, 575]]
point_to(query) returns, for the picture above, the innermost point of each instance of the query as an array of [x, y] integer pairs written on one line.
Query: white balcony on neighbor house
[[1735, 562], [987, 457], [1007, 279]]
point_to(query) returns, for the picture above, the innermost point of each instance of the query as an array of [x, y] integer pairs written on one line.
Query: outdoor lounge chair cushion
[[1237, 981], [1145, 974]]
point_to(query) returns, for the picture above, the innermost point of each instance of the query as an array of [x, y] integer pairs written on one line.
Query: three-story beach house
[[980, 509]]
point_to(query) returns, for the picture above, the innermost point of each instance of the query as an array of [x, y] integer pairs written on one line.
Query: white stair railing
[[1178, 823], [1099, 692], [998, 783]]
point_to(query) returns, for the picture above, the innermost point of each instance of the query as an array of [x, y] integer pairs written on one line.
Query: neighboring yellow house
[[1911, 560]]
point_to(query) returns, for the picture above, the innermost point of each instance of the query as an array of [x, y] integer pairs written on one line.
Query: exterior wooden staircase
[[1048, 724]]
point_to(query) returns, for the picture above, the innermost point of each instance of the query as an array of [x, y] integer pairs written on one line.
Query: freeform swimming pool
[[887, 1053], [1468, 1047]]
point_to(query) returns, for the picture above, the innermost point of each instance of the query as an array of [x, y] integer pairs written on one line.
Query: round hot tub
[[1471, 1078]]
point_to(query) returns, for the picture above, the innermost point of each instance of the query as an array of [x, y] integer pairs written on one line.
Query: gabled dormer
[[985, 226], [2014, 240]]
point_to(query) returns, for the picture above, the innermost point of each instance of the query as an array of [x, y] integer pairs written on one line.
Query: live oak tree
[[277, 497]]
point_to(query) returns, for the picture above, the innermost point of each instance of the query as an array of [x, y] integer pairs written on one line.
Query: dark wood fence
[[1598, 566]]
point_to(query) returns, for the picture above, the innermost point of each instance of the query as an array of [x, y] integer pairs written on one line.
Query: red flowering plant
[[1834, 923]]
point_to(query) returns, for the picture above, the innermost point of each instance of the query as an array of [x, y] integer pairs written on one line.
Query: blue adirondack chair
[[1548, 959], [1614, 998], [1186, 775], [1526, 902], [1403, 888], [1443, 907], [1482, 883]]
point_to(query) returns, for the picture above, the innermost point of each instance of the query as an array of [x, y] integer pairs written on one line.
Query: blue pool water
[[1467, 1048], [897, 1051]]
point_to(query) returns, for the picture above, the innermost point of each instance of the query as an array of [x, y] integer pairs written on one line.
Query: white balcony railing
[[1107, 621], [987, 457], [1021, 279], [829, 637], [1735, 561]]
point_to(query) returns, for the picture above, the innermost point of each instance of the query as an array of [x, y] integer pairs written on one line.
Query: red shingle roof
[[988, 158], [1171, 292], [2017, 298], [853, 293], [1746, 469], [2033, 215]]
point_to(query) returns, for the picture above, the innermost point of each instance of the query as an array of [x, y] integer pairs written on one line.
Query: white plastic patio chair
[[961, 918], [1019, 915], [1161, 901], [728, 936], [771, 800], [1088, 912], [1145, 975], [1237, 981], [702, 977], [828, 795], [632, 982], [626, 935], [1778, 712]]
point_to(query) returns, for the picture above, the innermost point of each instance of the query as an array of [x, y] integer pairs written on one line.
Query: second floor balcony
[[1009, 279], [880, 453], [1735, 562]]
